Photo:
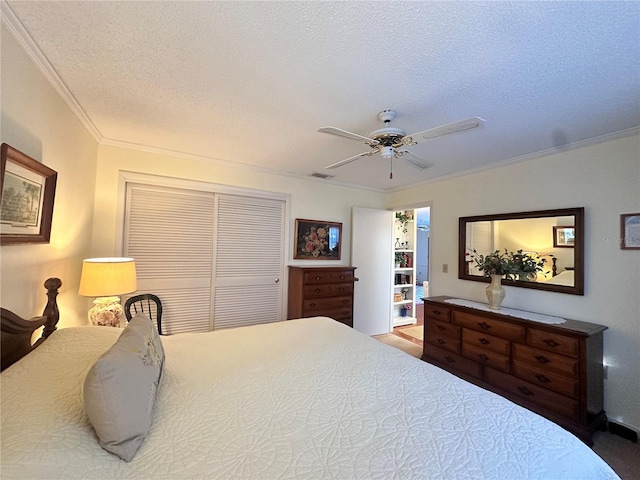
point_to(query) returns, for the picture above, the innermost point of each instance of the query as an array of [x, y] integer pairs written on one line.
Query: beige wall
[[309, 199], [605, 180], [37, 122]]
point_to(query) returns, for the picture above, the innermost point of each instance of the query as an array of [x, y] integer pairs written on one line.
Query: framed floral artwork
[[564, 237], [630, 231], [317, 240], [26, 203]]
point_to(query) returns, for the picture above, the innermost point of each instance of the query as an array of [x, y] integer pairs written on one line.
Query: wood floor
[[420, 316]]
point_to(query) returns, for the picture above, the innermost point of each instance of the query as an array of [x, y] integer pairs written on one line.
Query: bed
[[308, 398]]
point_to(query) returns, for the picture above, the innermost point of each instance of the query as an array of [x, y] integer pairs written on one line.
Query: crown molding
[[24, 39]]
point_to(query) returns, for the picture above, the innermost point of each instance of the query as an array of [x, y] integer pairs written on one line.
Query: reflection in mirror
[[555, 236]]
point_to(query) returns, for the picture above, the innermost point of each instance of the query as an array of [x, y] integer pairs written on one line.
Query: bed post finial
[[51, 310]]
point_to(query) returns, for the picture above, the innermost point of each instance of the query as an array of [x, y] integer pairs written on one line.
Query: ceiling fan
[[390, 142]]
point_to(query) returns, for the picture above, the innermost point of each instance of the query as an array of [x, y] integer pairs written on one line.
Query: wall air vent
[[321, 175]]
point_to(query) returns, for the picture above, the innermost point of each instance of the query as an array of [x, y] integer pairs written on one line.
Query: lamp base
[[106, 311]]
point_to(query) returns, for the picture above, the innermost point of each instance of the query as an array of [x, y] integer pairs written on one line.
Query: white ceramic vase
[[495, 292], [106, 311]]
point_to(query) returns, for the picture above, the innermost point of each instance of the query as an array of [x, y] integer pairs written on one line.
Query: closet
[[215, 259]]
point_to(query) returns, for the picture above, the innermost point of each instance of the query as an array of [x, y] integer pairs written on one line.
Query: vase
[[106, 311], [495, 292]]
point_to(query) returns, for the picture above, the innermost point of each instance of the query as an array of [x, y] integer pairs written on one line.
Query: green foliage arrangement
[[512, 265]]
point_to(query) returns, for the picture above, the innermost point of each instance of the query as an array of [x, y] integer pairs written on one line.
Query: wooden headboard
[[16, 332]]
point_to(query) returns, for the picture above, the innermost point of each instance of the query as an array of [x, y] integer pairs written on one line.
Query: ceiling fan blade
[[415, 160], [455, 127], [349, 160], [343, 133]]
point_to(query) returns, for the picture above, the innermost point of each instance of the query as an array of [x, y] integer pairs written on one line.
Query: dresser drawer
[[327, 290], [453, 360], [313, 278], [546, 379], [432, 310], [316, 306], [486, 357], [435, 327], [442, 341], [565, 366], [553, 342], [316, 277], [486, 342], [493, 327], [339, 277], [542, 397], [343, 315]]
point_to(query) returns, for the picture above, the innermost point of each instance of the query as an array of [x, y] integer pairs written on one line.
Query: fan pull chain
[[391, 170]]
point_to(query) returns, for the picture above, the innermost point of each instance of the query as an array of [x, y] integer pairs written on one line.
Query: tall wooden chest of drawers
[[555, 370], [321, 292]]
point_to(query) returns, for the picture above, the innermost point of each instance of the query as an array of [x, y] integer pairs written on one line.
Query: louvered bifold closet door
[[249, 261], [170, 232]]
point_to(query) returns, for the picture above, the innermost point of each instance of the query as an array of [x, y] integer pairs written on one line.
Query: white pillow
[[120, 388]]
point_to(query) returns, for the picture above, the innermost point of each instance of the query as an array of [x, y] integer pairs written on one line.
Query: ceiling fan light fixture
[[387, 152]]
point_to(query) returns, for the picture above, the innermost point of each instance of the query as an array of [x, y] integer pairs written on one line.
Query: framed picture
[[317, 240], [26, 202], [630, 231], [564, 237]]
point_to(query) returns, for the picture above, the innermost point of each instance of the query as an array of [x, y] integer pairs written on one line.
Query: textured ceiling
[[251, 82]]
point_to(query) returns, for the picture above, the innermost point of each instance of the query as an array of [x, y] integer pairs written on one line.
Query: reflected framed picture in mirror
[[564, 237]]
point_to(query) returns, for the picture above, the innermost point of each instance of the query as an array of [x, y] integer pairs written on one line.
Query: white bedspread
[[306, 398]]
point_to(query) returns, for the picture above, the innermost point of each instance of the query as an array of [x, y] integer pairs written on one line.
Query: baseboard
[[624, 432]]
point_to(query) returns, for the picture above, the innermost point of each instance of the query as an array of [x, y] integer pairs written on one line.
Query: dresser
[[554, 370], [321, 292]]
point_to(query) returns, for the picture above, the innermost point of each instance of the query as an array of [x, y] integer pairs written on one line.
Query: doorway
[[414, 333]]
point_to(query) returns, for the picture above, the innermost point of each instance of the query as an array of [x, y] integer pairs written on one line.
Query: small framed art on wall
[[28, 190], [317, 240]]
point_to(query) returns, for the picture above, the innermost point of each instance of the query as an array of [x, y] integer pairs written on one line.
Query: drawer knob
[[484, 325], [317, 290], [440, 327], [551, 342], [541, 378], [484, 341], [483, 357], [542, 359], [525, 391], [312, 305], [449, 359], [318, 278], [341, 277], [341, 289], [441, 341], [437, 312]]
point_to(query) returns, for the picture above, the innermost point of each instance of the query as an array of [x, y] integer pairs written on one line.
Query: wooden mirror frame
[[578, 249]]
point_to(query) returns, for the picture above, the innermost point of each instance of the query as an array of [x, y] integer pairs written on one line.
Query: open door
[[372, 254]]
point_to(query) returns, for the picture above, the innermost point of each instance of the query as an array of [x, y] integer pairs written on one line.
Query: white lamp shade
[[106, 277]]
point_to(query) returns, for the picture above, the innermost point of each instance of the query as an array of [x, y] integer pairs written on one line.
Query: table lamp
[[106, 278]]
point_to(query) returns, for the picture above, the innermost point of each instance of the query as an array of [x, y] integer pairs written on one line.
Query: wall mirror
[[554, 235]]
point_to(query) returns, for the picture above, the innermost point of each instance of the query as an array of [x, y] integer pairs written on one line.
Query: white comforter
[[306, 398]]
